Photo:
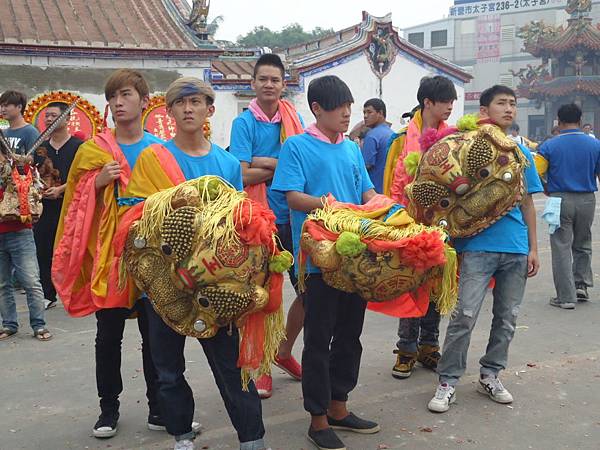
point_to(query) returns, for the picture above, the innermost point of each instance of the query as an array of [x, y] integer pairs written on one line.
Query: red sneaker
[[289, 366], [264, 386]]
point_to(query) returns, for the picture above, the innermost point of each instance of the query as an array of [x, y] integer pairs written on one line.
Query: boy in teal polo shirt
[[312, 165]]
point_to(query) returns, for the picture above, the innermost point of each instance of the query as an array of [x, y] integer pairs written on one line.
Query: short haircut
[[14, 98], [377, 104], [515, 127], [269, 59], [126, 77], [436, 89], [185, 86], [569, 113], [487, 96], [330, 92], [60, 105], [588, 125]]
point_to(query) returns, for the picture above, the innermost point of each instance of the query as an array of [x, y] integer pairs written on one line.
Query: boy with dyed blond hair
[[83, 251]]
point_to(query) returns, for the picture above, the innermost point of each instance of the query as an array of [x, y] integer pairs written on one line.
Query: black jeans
[[174, 393], [109, 336], [44, 232], [333, 323]]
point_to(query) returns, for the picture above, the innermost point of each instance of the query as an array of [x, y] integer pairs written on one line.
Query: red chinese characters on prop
[[159, 123]]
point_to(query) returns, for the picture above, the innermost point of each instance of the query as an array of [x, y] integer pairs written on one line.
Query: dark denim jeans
[[476, 270], [17, 250], [175, 396], [422, 330]]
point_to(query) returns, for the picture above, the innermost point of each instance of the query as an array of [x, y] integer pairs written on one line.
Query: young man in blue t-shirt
[[256, 137], [127, 94], [190, 102], [312, 165], [507, 251], [573, 160]]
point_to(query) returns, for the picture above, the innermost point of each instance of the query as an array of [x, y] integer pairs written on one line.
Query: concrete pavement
[[48, 395]]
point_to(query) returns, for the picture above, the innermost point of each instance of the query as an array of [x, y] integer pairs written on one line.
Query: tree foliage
[[290, 35]]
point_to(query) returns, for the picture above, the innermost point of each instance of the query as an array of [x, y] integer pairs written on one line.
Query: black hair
[[514, 127], [377, 104], [436, 89], [60, 105], [569, 113], [330, 92], [588, 125], [487, 96], [14, 98], [269, 59]]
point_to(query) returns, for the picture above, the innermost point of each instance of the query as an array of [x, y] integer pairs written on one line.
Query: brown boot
[[405, 361], [429, 356]]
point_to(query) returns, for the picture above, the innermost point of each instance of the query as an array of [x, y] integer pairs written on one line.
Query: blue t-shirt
[[132, 151], [374, 151], [250, 138], [509, 234], [216, 162], [318, 168], [573, 162], [21, 139]]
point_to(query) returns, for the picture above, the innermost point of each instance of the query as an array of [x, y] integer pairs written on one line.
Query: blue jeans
[[476, 270], [17, 250], [422, 330]]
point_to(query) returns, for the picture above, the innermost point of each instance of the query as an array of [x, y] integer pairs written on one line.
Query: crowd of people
[[299, 164]]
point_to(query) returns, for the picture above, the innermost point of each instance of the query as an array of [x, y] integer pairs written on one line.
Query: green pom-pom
[[411, 162], [214, 189], [282, 262], [349, 244], [468, 122]]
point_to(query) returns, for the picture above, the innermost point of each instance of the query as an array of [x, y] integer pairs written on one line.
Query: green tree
[[290, 35]]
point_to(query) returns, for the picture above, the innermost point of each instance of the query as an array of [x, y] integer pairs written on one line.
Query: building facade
[[370, 57], [482, 38], [74, 46]]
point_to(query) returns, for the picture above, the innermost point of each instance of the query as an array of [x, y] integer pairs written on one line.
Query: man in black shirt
[[60, 150]]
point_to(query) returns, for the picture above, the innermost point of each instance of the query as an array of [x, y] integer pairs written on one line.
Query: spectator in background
[[513, 133], [573, 163], [60, 148], [376, 142], [17, 247], [589, 130]]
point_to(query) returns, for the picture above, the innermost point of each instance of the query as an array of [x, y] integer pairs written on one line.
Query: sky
[[241, 16]]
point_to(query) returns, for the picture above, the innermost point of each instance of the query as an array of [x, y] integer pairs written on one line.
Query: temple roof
[[331, 49], [580, 33], [121, 26], [558, 87]]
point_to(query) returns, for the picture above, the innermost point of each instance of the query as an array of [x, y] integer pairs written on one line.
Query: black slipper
[[325, 439], [354, 424]]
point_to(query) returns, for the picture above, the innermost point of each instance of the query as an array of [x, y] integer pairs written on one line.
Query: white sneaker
[[492, 387], [184, 444], [444, 397]]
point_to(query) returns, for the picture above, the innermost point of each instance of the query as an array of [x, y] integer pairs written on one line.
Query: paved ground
[[48, 397]]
